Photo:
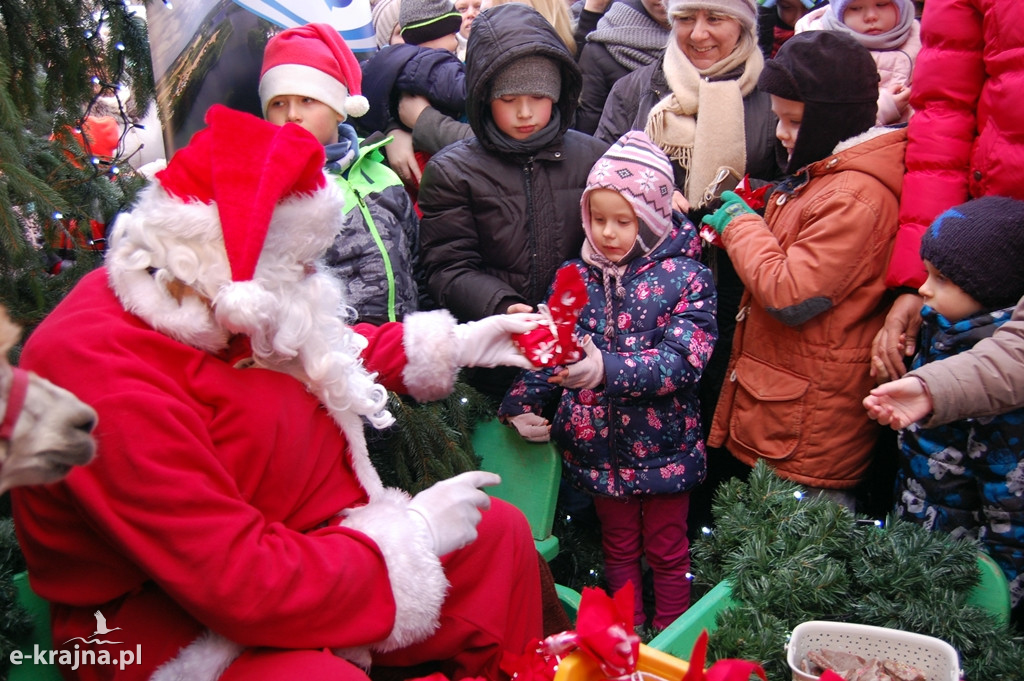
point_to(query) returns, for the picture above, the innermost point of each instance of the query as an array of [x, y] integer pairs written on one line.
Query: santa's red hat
[[313, 61], [245, 166]]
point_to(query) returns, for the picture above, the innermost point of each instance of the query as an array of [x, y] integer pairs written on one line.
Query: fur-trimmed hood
[[878, 151]]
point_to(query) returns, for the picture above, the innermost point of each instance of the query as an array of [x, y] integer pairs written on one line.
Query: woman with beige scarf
[[700, 104]]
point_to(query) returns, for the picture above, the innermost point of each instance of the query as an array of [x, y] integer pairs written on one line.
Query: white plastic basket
[[934, 657]]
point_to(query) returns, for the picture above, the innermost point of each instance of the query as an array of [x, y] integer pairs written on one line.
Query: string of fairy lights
[[101, 86], [107, 81]]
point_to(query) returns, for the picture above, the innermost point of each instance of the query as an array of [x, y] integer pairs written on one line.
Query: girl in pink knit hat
[[627, 418]]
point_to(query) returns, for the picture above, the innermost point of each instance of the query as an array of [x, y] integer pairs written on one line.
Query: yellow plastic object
[[653, 664], [529, 477], [992, 593]]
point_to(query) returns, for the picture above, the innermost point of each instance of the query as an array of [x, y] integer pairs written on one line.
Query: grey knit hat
[[979, 246], [744, 11], [534, 75], [426, 20], [384, 17]]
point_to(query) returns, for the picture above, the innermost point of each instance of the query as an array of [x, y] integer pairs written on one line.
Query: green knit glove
[[732, 206]]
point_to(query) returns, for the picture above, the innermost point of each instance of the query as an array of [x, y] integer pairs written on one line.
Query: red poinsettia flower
[[605, 628], [723, 670], [752, 197]]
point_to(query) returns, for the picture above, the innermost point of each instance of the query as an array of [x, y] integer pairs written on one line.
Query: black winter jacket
[[405, 69], [600, 72], [495, 228]]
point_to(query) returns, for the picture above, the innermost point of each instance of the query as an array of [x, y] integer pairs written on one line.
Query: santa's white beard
[[295, 324], [294, 318]]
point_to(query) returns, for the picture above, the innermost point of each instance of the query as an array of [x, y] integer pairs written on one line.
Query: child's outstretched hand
[[899, 403], [679, 202], [531, 427], [409, 109], [402, 158]]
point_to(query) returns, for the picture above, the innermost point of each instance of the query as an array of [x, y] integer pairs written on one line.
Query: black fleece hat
[[836, 79]]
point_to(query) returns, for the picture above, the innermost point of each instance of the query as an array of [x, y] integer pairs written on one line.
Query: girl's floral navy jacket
[[639, 432]]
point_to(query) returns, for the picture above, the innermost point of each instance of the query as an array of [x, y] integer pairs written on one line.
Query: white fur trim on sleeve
[[418, 583], [430, 351], [205, 659]]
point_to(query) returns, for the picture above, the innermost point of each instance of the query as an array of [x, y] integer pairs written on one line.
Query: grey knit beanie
[[426, 20], [384, 17], [979, 246], [535, 75]]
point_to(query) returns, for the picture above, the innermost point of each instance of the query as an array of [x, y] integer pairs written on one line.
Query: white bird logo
[[101, 625]]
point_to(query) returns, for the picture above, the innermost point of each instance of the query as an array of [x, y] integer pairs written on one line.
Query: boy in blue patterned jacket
[[967, 477], [628, 419], [311, 78]]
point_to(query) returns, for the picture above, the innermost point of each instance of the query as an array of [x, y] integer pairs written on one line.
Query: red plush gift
[[552, 343], [604, 634], [604, 647]]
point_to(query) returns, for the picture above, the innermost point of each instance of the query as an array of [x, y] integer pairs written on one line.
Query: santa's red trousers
[[493, 605]]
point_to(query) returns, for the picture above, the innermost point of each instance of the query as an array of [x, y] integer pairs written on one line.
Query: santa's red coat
[[213, 504]]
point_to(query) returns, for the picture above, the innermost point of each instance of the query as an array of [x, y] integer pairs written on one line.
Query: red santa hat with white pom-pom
[[313, 61], [213, 170]]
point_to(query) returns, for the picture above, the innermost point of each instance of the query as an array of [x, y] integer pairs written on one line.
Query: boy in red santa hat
[[232, 526], [311, 78]]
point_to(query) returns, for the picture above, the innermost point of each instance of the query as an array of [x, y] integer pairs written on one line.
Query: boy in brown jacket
[[814, 271]]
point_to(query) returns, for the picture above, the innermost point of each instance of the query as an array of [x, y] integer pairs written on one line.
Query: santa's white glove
[[586, 373], [488, 342], [450, 509], [531, 427]]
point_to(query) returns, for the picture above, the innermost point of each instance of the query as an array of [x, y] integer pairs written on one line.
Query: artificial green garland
[[791, 559], [429, 441]]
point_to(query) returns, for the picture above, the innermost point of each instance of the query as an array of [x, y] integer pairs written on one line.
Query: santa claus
[[232, 525]]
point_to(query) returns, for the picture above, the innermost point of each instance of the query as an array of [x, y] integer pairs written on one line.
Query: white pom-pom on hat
[[356, 105]]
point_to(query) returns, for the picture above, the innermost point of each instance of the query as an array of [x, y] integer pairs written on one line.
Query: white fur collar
[[869, 134]]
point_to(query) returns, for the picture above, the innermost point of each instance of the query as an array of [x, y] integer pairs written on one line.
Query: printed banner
[[208, 52]]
